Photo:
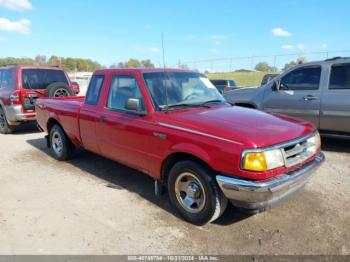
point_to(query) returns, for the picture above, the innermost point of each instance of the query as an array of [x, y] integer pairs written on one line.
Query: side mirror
[[276, 85], [134, 105]]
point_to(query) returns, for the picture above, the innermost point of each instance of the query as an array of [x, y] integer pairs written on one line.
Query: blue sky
[[111, 31]]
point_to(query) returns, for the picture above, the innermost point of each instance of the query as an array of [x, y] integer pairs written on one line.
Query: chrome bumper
[[265, 194], [14, 115]]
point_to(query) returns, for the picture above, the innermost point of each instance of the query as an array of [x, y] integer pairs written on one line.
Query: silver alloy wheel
[[56, 142], [2, 120], [190, 192], [61, 92]]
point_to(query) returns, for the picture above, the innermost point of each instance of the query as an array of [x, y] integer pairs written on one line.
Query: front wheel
[[195, 194], [61, 146]]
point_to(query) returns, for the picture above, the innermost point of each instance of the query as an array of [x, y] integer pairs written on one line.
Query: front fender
[[191, 149]]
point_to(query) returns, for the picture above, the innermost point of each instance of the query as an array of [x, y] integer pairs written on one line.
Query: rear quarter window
[[42, 78], [340, 77], [6, 78], [94, 90]]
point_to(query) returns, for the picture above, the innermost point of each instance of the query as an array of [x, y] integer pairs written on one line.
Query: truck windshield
[[177, 89]]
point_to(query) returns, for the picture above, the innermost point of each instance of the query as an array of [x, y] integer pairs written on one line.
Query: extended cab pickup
[[175, 126]]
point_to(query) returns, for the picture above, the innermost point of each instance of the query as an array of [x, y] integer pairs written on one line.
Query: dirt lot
[[91, 205]]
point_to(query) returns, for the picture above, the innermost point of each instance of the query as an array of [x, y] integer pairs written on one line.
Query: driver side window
[[302, 79], [123, 88]]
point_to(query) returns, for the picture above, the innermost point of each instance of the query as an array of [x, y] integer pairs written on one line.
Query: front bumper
[[14, 115], [265, 194]]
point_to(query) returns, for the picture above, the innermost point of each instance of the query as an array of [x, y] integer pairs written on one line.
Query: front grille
[[297, 153]]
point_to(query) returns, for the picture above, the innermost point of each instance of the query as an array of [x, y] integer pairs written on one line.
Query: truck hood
[[249, 127]]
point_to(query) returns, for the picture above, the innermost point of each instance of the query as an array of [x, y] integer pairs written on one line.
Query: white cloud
[[153, 49], [214, 50], [324, 46], [300, 46], [288, 47], [21, 26], [219, 37], [280, 32], [17, 5]]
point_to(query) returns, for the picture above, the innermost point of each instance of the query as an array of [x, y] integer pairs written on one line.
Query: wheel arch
[[176, 157], [51, 122]]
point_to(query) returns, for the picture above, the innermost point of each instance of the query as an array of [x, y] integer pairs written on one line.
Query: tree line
[[68, 63], [265, 67], [79, 64], [73, 64]]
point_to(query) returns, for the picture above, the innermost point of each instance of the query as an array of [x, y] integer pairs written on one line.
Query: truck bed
[[65, 110]]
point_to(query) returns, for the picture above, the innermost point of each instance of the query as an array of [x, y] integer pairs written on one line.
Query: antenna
[[163, 50], [166, 87]]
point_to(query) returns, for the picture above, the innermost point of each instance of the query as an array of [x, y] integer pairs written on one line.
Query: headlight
[[314, 143], [262, 161]]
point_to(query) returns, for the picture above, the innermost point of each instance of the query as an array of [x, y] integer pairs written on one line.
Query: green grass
[[241, 78]]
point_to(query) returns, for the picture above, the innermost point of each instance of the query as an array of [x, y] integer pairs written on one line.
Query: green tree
[[263, 67], [147, 63], [300, 60], [134, 63]]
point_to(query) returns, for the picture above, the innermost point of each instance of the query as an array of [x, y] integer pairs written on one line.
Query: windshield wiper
[[186, 105], [207, 103], [180, 105]]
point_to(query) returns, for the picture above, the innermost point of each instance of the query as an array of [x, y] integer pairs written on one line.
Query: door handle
[[310, 98], [103, 119]]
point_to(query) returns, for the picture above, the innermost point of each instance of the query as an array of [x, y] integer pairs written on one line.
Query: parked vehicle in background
[[175, 126], [318, 92], [20, 86], [224, 85], [75, 87], [267, 78]]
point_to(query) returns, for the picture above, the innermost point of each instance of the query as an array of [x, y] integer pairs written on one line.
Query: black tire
[[5, 128], [58, 90], [214, 201], [62, 148]]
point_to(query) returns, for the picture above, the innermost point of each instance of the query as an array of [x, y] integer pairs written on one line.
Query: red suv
[[20, 86]]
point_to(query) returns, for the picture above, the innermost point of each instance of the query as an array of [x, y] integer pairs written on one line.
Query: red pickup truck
[[176, 127]]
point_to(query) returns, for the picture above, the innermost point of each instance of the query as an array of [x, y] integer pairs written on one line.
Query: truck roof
[[31, 67], [142, 70]]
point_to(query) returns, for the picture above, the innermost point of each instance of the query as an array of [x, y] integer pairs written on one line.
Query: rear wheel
[[62, 148], [195, 194], [5, 128]]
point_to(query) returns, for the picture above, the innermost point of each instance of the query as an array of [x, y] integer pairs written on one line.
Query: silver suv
[[318, 92]]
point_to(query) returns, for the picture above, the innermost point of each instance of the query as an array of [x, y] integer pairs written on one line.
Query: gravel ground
[[91, 205]]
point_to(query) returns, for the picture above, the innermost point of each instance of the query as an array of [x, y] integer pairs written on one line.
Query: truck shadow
[[26, 128], [120, 177], [335, 145]]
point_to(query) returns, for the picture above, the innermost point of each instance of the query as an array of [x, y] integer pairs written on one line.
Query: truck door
[[122, 135], [335, 103], [298, 94], [90, 114]]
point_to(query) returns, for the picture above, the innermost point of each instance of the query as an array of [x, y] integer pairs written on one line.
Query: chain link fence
[[229, 64]]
